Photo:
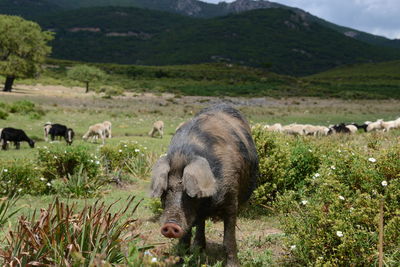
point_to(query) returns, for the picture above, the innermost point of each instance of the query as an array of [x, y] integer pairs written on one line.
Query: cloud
[[379, 17]]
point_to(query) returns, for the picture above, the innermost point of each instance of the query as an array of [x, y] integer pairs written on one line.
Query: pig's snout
[[171, 230]]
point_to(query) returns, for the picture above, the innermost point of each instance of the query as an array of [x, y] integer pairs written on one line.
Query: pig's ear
[[159, 177], [198, 178]]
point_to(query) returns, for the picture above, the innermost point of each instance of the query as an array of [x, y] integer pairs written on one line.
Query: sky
[[380, 17]]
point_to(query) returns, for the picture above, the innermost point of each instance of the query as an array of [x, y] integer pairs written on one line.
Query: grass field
[[259, 236]]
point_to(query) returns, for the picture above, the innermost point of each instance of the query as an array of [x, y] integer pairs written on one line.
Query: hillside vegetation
[[372, 80], [276, 38], [365, 81]]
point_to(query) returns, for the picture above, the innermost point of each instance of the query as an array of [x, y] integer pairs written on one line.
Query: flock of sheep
[[97, 131], [308, 129]]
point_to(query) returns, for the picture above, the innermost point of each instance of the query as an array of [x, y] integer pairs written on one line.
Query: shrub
[[59, 161], [78, 185], [128, 156], [63, 237], [335, 222], [3, 115], [20, 177], [27, 107], [285, 163]]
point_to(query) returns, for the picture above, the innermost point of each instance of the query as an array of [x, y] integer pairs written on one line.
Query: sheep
[[294, 129], [362, 126], [373, 126], [352, 128], [96, 130], [338, 128], [277, 127], [311, 129], [158, 126], [387, 125], [61, 131], [9, 134], [107, 127], [322, 130], [46, 129]]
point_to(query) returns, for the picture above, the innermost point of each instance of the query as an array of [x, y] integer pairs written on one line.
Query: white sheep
[[94, 131], [277, 127], [107, 127], [322, 130], [294, 129], [377, 125], [158, 126], [352, 128]]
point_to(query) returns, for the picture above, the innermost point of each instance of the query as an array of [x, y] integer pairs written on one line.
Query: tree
[[86, 74], [23, 48]]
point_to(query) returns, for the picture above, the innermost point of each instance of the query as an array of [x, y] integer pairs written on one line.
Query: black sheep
[[62, 131], [14, 135]]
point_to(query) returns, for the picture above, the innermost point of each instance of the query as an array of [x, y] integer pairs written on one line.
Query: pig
[[211, 168]]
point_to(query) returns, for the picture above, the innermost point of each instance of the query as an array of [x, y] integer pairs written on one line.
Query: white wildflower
[[125, 145], [309, 150], [316, 175], [137, 150], [341, 197], [120, 150], [144, 148], [384, 183], [154, 259], [19, 190], [333, 167], [351, 209], [339, 233], [372, 160], [42, 179], [97, 162], [292, 247], [147, 253], [340, 151], [5, 170], [48, 184], [91, 161], [304, 202], [55, 157]]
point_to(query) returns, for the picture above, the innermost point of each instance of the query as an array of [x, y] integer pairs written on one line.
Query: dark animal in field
[[362, 126], [61, 131], [14, 135], [338, 128], [210, 169]]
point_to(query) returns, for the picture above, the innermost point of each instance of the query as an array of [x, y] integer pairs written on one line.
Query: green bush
[[26, 107], [78, 185], [335, 221], [21, 177], [3, 115], [129, 157], [285, 163], [58, 161]]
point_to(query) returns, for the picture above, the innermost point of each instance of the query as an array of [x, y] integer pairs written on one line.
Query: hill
[[279, 39], [372, 80], [192, 8]]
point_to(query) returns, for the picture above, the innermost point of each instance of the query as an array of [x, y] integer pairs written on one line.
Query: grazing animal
[[362, 126], [294, 129], [388, 125], [107, 128], [46, 129], [338, 128], [14, 135], [96, 130], [61, 131], [210, 169], [158, 127], [277, 127], [373, 126], [352, 128]]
